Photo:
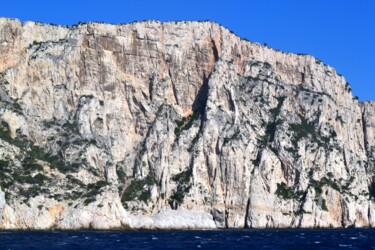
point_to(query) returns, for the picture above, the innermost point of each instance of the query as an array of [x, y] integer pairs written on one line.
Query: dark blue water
[[218, 239]]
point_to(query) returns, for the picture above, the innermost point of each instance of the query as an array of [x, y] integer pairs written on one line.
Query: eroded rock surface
[[112, 126]]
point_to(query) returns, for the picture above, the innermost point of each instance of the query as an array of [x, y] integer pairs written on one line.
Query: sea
[[191, 239]]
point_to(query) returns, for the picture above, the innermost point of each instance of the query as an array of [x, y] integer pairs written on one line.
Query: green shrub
[[71, 127], [303, 130], [120, 173], [89, 200], [324, 205], [4, 166], [30, 164], [93, 189], [5, 133], [186, 123], [75, 181], [264, 139], [283, 191], [39, 179], [98, 185], [33, 191], [183, 185], [139, 190], [371, 190], [178, 195], [276, 111], [183, 177]]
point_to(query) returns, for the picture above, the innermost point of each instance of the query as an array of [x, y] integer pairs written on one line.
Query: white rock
[[2, 204], [151, 115], [175, 219]]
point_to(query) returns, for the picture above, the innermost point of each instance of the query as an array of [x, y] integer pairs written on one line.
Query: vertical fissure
[[173, 87], [363, 111], [215, 50], [247, 212]]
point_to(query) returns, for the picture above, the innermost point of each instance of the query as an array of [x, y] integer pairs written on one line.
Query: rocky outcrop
[[2, 203], [368, 114], [173, 219], [176, 125]]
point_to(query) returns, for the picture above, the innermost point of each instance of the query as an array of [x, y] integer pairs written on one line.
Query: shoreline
[[182, 229]]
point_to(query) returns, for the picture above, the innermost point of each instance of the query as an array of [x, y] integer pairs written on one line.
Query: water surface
[[215, 239]]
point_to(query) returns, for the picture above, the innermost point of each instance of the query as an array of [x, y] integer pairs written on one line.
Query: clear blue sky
[[341, 33]]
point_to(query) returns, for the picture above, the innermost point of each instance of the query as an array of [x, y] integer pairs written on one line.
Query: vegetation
[[5, 135], [183, 177], [120, 173], [49, 124], [5, 179], [235, 135], [139, 190], [194, 142], [89, 200], [276, 111], [71, 127], [285, 192], [28, 178], [186, 123], [96, 188], [347, 87], [92, 190], [32, 191], [340, 186], [179, 195], [272, 126], [371, 190], [34, 43], [34, 153], [324, 205], [303, 130], [183, 185]]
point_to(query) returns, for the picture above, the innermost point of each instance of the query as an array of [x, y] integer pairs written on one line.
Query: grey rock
[[2, 204], [111, 126]]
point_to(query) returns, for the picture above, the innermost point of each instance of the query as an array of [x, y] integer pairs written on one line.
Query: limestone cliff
[[176, 125]]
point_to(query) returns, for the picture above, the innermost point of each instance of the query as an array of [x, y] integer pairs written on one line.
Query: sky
[[341, 33]]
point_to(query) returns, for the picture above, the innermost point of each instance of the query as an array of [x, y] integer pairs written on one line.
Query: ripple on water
[[344, 245], [343, 239]]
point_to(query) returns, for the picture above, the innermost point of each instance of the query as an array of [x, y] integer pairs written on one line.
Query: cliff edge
[[176, 125]]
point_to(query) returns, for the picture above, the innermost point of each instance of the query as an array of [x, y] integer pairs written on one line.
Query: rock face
[[2, 203], [176, 125]]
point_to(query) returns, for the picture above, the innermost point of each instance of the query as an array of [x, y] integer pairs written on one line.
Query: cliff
[[176, 125]]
